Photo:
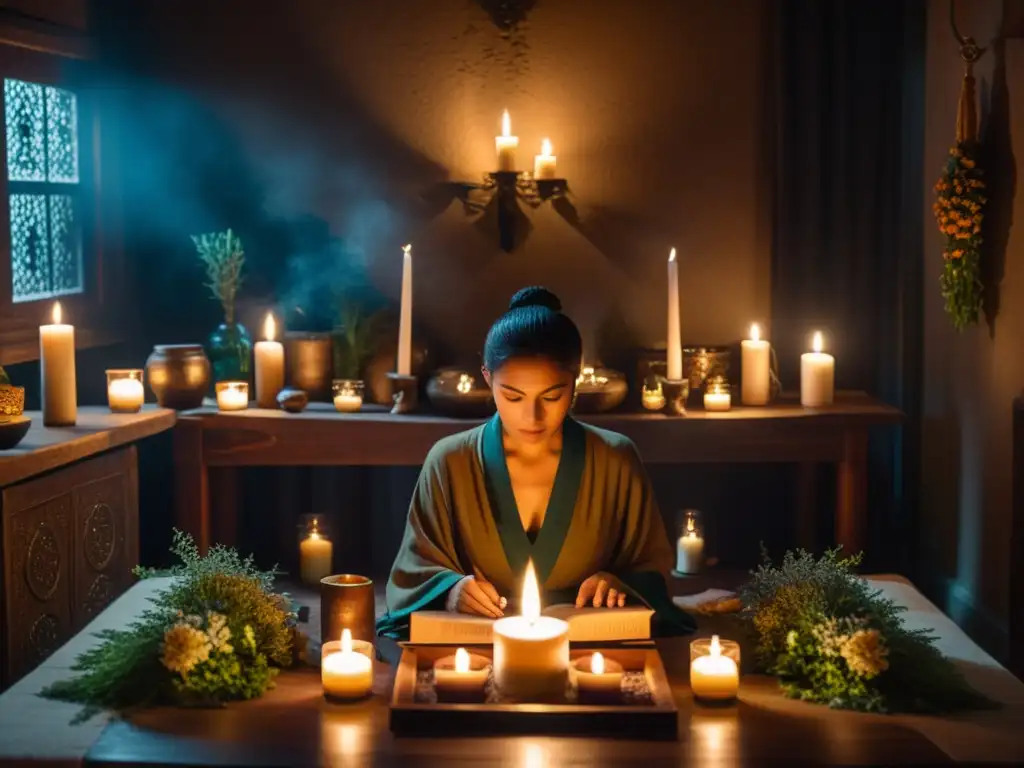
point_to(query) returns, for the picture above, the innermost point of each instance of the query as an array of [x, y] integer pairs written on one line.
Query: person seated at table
[[532, 483]]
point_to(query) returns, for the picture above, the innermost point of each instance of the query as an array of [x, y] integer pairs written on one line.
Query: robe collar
[[547, 546]]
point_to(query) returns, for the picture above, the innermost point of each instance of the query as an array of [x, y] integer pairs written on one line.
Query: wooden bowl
[[13, 431]]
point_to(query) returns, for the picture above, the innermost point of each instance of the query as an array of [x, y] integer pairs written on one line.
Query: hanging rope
[[966, 113]]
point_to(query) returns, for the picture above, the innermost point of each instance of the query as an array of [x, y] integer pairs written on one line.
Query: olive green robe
[[463, 519]]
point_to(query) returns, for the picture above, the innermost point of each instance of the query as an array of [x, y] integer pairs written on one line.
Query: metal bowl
[[599, 390], [460, 392]]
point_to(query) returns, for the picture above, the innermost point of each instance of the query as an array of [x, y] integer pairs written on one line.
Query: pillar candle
[[689, 552], [269, 356], [817, 376], [545, 163], [675, 346], [57, 372], [597, 679], [755, 366], [404, 364], [315, 556], [506, 145], [461, 677]]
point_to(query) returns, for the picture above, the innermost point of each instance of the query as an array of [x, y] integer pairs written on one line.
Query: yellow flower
[[218, 633], [865, 653], [184, 647]]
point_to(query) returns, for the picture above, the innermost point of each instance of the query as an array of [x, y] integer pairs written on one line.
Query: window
[[41, 124]]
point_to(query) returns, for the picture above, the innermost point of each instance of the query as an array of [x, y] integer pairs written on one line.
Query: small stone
[[292, 400]]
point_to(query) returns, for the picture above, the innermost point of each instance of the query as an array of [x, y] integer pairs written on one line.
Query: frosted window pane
[[24, 115], [65, 246], [30, 268], [62, 136]]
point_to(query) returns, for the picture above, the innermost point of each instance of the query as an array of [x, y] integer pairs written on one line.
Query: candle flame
[[346, 640], [689, 524], [56, 313], [269, 327], [755, 332], [597, 663], [672, 256], [531, 595], [545, 148], [407, 249], [816, 344], [506, 124], [462, 661], [716, 647]]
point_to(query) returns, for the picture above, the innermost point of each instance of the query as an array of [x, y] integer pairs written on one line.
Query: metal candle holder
[[510, 186], [676, 392], [404, 392]]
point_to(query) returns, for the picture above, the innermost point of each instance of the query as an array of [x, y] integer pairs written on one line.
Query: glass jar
[[714, 668], [716, 395], [125, 392], [348, 394], [690, 542], [316, 551], [230, 351], [652, 397], [232, 395]]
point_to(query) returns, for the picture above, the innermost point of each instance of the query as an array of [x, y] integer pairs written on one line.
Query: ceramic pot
[[179, 375], [461, 393]]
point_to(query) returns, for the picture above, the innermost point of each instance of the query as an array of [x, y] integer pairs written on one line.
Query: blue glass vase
[[230, 351]]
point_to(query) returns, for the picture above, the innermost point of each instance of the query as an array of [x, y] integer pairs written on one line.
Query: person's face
[[533, 397]]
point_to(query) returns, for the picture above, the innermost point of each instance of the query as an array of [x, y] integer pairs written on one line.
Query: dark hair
[[534, 326]]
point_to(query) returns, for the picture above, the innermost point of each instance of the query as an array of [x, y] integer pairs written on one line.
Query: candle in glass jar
[[674, 370], [597, 678], [653, 399], [57, 372], [346, 675], [544, 164], [689, 549], [232, 395], [461, 677], [125, 393], [714, 676], [717, 401], [269, 358], [315, 556], [755, 367], [817, 376], [506, 145]]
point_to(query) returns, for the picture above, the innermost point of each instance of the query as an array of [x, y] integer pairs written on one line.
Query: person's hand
[[477, 595], [601, 589]]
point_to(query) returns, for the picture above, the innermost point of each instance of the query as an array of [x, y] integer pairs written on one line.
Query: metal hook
[[970, 51]]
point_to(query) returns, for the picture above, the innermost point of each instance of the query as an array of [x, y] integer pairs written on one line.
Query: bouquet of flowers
[[831, 639], [958, 211], [218, 633]]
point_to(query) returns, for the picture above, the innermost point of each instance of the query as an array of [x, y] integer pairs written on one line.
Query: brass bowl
[[12, 402], [461, 393], [599, 390], [179, 375]]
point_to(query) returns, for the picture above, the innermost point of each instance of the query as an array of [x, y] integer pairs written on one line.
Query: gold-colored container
[[179, 375], [309, 358], [346, 602], [12, 402]]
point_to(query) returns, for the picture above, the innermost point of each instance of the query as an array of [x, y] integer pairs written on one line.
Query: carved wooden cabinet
[[70, 540]]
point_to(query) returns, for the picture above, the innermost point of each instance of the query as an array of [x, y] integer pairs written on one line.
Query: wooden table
[[206, 440], [69, 502]]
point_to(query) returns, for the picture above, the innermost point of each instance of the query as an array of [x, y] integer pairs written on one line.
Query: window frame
[[96, 314]]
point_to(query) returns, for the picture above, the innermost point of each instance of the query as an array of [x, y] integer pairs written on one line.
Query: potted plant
[[354, 336], [229, 346]]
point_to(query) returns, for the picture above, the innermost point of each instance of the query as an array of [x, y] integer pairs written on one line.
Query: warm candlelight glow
[[755, 332], [716, 646], [462, 661], [597, 663], [816, 344], [269, 327], [506, 124], [672, 255], [406, 248], [56, 313], [545, 148], [346, 639], [531, 595], [689, 527]]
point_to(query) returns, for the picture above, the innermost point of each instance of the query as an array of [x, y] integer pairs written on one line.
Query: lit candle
[[506, 145], [755, 368], [57, 372], [404, 366], [346, 675], [232, 395], [675, 345], [714, 676], [597, 678], [817, 376], [689, 549], [315, 554], [653, 399], [269, 356], [544, 163], [124, 391], [348, 395], [717, 401], [531, 652], [364, 647], [461, 677]]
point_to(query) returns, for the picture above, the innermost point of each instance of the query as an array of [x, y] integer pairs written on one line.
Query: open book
[[586, 625]]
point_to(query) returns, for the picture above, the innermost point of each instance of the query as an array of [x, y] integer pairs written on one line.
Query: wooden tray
[[655, 720]]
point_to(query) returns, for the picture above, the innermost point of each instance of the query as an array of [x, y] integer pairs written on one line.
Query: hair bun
[[535, 296]]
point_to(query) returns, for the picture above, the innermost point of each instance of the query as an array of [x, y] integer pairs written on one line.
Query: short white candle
[[717, 401], [403, 365], [125, 395], [545, 163], [57, 372], [755, 366], [315, 557], [597, 677], [714, 677], [817, 376], [531, 652], [269, 358], [346, 675], [506, 145], [689, 550], [348, 403], [653, 399], [674, 360], [232, 395], [461, 677]]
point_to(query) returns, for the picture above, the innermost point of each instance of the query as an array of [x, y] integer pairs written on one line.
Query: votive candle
[[346, 675], [232, 395], [125, 393]]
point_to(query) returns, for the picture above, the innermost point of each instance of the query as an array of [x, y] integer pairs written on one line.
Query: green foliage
[[223, 256], [354, 338], [4, 378], [832, 639], [218, 633]]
